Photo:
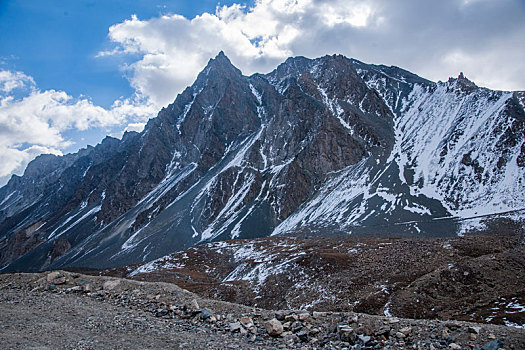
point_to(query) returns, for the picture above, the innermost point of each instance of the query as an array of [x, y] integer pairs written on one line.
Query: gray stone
[[319, 314], [194, 305], [246, 322], [205, 314], [303, 316], [161, 312], [280, 315], [363, 339], [346, 334], [53, 275], [235, 327], [291, 318], [406, 330], [474, 329], [303, 336], [274, 327], [111, 284], [492, 345]]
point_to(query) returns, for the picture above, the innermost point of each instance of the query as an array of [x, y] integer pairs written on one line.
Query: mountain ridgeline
[[320, 147]]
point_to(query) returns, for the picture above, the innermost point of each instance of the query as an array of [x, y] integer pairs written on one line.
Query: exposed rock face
[[60, 247], [324, 146]]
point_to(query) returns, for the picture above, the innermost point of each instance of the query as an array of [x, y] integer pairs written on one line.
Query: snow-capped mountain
[[324, 146]]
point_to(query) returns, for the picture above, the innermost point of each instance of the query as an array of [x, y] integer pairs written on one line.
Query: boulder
[[111, 284], [274, 327]]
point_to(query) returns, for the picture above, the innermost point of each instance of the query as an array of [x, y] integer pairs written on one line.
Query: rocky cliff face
[[325, 146]]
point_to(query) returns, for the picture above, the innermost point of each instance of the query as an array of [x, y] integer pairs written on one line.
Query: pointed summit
[[220, 60], [218, 68]]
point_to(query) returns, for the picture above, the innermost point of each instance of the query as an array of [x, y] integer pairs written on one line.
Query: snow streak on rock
[[458, 146]]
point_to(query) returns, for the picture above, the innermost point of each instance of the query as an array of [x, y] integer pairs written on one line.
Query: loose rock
[[235, 327], [274, 327]]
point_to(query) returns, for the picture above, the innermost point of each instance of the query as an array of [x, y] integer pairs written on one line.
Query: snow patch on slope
[[451, 139]]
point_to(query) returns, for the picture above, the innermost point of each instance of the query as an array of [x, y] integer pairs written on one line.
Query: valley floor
[[65, 310]]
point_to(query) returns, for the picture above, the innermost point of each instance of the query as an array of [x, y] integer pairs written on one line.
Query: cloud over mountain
[[435, 39], [33, 121]]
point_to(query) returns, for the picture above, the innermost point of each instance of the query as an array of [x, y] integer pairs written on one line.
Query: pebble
[[247, 322], [406, 330], [59, 280], [346, 333], [400, 335], [280, 315], [291, 318], [53, 275], [364, 339]]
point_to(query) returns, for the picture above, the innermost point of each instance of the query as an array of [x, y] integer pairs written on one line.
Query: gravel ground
[[63, 310], [52, 321]]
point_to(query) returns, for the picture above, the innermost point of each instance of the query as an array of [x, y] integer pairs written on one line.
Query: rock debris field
[[64, 310]]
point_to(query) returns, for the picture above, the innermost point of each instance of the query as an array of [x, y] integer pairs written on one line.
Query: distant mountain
[[329, 146]]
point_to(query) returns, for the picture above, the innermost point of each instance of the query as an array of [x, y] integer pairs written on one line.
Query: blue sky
[[56, 41], [72, 72]]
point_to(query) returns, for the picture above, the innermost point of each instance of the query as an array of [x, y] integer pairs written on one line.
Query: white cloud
[[14, 160], [137, 127], [32, 121], [422, 36], [10, 81]]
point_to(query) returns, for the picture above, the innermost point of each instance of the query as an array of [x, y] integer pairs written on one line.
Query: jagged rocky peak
[[43, 164], [463, 83], [292, 67], [320, 146], [221, 60], [218, 68]]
